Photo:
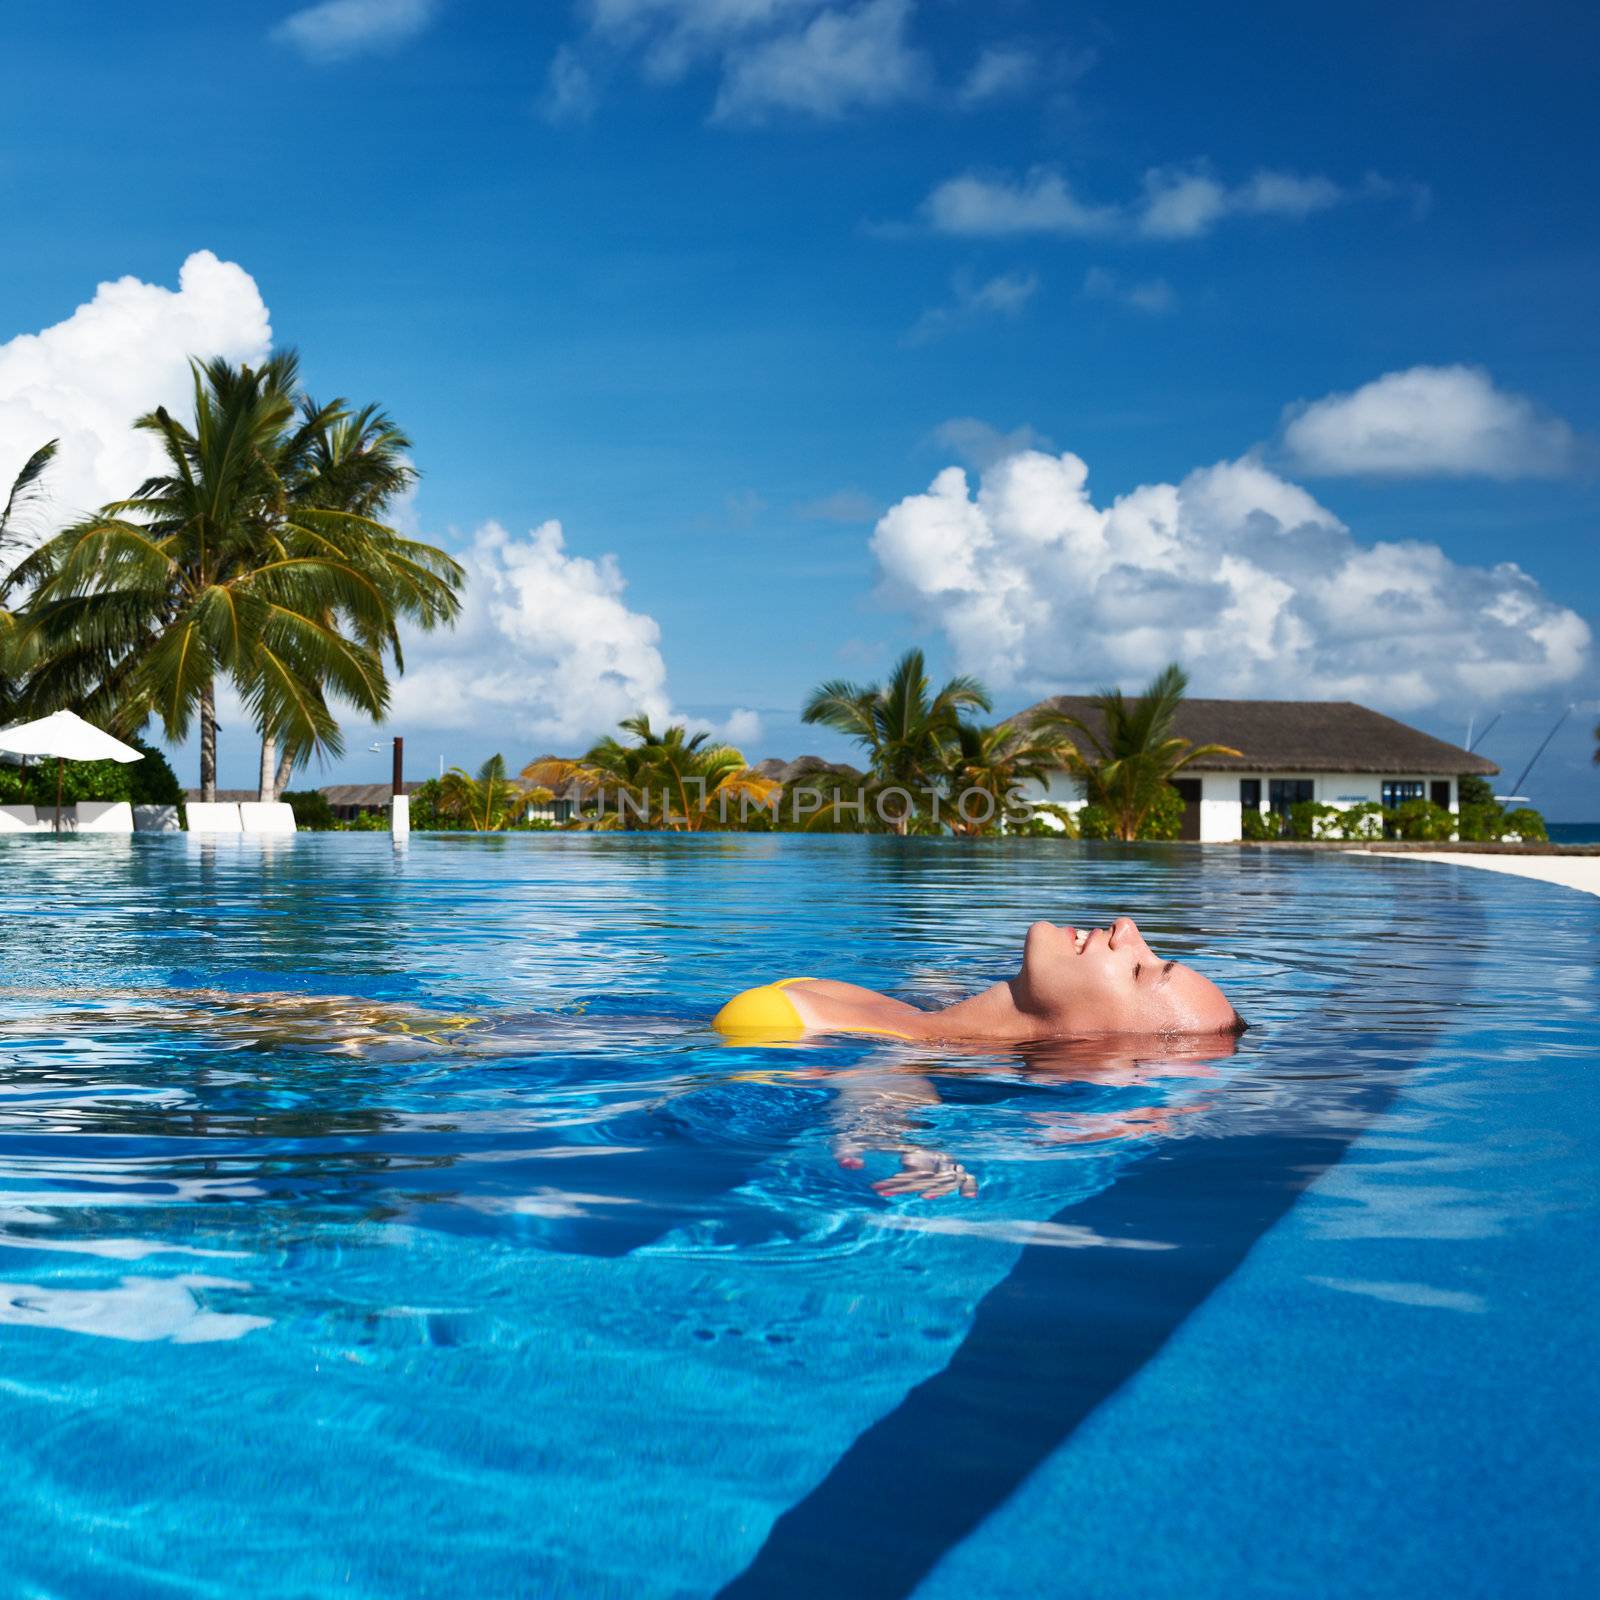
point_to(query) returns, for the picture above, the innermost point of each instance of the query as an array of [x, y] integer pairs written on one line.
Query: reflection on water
[[511, 1254]]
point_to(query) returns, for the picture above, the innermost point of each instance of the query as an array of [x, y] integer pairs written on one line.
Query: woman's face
[[1108, 980]]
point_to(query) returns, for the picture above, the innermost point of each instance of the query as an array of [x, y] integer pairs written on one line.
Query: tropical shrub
[[311, 809], [1044, 820], [1258, 824], [152, 782], [1095, 822], [1364, 821], [1312, 819], [1162, 819], [1421, 820], [80, 780], [1526, 824]]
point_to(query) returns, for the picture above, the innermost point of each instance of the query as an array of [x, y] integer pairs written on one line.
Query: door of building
[[1189, 788]]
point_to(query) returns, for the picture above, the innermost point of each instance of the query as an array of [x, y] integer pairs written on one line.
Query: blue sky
[[717, 284]]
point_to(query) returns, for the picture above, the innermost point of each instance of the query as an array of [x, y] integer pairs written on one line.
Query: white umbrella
[[67, 737]]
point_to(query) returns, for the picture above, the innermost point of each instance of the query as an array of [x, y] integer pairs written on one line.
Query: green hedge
[[148, 782]]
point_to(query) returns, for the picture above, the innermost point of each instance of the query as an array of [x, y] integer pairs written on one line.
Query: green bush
[[1471, 791], [1312, 819], [1364, 821], [1094, 822], [152, 782], [1526, 824], [1258, 824], [1061, 824], [311, 809], [80, 780], [366, 822], [1164, 820], [148, 782], [1482, 822], [1421, 820]]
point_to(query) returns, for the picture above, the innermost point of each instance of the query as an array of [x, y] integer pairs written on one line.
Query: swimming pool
[[478, 1265]]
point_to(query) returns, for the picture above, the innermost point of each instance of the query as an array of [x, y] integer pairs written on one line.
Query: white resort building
[[1333, 752]]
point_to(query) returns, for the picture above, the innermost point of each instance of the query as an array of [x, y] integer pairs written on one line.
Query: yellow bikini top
[[768, 1015]]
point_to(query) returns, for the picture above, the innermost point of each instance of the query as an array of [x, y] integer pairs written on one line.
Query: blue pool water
[[386, 1222]]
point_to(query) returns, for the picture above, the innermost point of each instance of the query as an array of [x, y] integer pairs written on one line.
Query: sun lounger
[[214, 816], [101, 816], [156, 819], [20, 819], [265, 816]]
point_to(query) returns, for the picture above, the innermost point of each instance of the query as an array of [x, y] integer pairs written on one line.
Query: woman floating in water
[[1072, 984]]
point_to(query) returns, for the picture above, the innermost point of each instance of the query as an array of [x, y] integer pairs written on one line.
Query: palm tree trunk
[[208, 743], [268, 784], [285, 773]]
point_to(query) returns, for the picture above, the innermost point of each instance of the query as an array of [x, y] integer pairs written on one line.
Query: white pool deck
[[1571, 872]]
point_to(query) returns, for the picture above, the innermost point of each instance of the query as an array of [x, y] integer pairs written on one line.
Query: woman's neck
[[998, 1012]]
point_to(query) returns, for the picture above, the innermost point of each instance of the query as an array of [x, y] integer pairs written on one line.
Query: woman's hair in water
[[1236, 1027]]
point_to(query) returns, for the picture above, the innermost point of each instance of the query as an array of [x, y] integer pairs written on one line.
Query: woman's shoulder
[[826, 1004]]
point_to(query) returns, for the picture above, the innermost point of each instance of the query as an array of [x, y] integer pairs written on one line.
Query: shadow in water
[[1066, 1328]]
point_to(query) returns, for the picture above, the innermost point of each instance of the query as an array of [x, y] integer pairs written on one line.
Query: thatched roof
[[802, 768], [1283, 736], [363, 794]]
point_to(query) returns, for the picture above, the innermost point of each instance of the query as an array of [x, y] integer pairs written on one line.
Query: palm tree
[[1127, 755], [355, 464], [226, 564], [996, 762], [25, 488], [485, 801], [623, 769], [671, 778], [907, 732]]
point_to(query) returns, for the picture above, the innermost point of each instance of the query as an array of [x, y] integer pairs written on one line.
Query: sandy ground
[[1571, 872]]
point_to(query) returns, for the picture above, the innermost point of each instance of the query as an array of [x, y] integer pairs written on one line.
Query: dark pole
[[60, 765], [399, 766]]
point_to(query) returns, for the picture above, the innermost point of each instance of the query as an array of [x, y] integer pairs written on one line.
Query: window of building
[[1439, 792], [1285, 792], [1250, 793], [1396, 791]]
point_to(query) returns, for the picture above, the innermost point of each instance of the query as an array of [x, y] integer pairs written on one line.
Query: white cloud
[[338, 29], [841, 61], [1235, 571], [675, 34], [123, 353], [1000, 70], [1153, 295], [1005, 295], [813, 58], [569, 94], [1174, 203], [742, 728], [1040, 202], [1442, 421], [546, 651]]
